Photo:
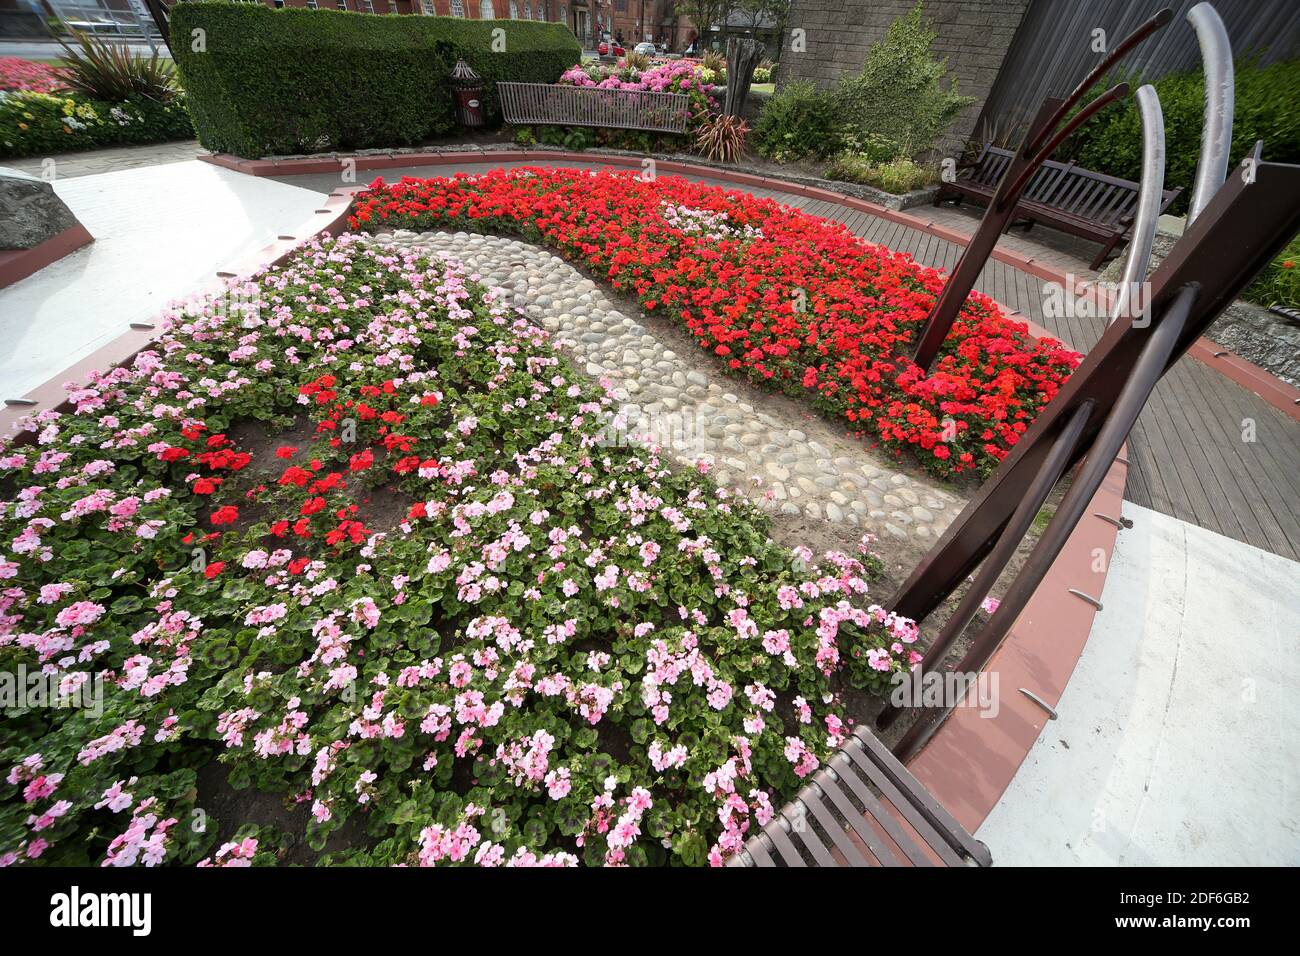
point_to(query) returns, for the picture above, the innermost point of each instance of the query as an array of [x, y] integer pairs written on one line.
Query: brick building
[[584, 17], [650, 21]]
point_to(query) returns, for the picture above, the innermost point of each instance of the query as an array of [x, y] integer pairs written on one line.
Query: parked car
[[649, 49], [605, 49]]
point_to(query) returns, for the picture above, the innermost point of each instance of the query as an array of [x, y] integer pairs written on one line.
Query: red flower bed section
[[786, 298], [28, 75]]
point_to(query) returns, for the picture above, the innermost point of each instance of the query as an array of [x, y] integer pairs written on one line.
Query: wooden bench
[[1061, 195], [546, 104], [863, 808]]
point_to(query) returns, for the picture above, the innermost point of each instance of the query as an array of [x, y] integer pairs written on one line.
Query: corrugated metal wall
[[1052, 51]]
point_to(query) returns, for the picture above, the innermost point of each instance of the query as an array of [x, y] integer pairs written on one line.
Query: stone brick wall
[[972, 34]]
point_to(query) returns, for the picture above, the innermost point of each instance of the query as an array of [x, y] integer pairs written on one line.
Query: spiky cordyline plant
[[722, 138], [105, 71]]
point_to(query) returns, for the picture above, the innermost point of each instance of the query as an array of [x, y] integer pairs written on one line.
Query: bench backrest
[[1068, 188], [546, 104]]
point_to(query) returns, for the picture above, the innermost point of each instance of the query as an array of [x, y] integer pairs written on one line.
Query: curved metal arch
[[1150, 192], [1216, 133]]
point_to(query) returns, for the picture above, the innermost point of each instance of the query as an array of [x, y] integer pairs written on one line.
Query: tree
[[899, 96], [704, 14]]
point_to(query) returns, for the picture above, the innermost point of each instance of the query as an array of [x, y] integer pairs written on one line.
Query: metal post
[[1150, 191], [1147, 371], [1216, 134]]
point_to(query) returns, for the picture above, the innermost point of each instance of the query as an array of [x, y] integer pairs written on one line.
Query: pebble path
[[784, 464]]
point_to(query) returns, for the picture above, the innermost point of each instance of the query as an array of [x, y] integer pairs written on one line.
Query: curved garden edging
[[1281, 395], [967, 766], [18, 264]]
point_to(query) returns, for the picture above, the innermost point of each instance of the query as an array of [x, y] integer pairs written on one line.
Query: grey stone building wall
[[973, 35]]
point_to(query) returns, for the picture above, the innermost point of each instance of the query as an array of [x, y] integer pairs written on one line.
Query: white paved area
[[161, 233], [1178, 741]]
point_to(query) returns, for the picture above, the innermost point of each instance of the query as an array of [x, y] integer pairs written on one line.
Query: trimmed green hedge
[[298, 80], [1264, 108]]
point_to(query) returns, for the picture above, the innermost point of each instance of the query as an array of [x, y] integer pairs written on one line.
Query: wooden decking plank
[[1221, 479], [1273, 459], [1180, 472], [1216, 425]]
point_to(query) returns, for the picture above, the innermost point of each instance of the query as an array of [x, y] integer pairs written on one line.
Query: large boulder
[[30, 212]]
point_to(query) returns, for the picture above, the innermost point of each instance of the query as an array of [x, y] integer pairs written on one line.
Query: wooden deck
[[1187, 453]]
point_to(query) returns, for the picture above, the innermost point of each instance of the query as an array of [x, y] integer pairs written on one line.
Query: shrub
[[1264, 108], [722, 138], [35, 124], [762, 75], [899, 93], [1279, 283], [713, 60], [797, 121], [897, 176], [300, 80], [112, 73], [637, 61]]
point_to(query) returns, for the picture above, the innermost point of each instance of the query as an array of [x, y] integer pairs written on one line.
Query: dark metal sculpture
[[1241, 226], [1242, 229], [1040, 142], [158, 12]]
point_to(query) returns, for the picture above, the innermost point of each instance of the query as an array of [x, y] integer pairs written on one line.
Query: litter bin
[[467, 88]]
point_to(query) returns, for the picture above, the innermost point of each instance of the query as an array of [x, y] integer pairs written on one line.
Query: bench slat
[[545, 104], [1079, 201]]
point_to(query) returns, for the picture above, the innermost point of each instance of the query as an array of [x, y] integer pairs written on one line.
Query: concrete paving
[[1178, 741], [161, 233], [111, 160]]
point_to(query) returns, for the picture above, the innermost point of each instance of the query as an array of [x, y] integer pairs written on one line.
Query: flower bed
[[20, 74], [35, 124], [788, 299], [448, 611], [681, 76]]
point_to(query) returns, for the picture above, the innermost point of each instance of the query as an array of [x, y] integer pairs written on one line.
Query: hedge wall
[[262, 81]]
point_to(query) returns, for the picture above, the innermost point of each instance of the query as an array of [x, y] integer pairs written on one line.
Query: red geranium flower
[[226, 514]]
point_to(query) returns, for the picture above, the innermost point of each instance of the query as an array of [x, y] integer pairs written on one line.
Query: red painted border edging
[[18, 264]]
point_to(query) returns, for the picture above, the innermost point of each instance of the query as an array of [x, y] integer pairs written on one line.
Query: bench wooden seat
[[1061, 195], [547, 104], [863, 808]]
